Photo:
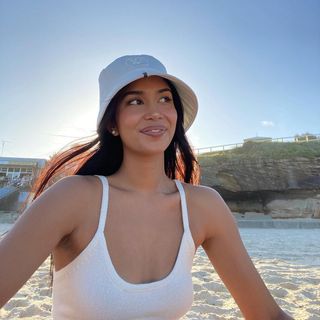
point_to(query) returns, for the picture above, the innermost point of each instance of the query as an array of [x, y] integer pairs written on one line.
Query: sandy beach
[[288, 261]]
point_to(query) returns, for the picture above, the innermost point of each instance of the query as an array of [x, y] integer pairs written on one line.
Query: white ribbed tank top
[[89, 287]]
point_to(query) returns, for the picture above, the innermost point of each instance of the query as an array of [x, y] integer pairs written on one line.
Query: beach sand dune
[[296, 288], [33, 300]]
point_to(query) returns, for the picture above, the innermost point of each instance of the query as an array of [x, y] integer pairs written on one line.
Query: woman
[[123, 229]]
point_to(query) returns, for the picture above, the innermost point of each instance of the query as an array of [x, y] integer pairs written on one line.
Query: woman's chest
[[143, 236]]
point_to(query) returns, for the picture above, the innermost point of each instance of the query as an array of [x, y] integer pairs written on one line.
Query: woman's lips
[[154, 131]]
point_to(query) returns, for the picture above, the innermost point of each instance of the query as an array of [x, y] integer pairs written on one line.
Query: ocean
[[295, 246]]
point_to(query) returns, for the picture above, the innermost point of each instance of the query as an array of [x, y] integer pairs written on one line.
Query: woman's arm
[[36, 233], [226, 251]]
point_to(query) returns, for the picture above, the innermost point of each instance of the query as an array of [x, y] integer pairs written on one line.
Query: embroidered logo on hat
[[134, 61]]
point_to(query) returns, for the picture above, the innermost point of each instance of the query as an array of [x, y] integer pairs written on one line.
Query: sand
[[291, 275], [295, 288]]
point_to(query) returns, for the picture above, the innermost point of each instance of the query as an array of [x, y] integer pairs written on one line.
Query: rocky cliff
[[281, 188]]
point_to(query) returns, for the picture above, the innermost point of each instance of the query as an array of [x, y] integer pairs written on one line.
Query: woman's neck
[[143, 174]]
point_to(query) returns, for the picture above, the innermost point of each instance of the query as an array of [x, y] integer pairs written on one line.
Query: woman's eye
[[138, 101], [135, 101], [165, 99]]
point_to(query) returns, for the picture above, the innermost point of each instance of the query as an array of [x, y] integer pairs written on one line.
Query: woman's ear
[[113, 130]]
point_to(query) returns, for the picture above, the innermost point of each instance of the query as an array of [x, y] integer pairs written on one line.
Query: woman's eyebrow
[[133, 92]]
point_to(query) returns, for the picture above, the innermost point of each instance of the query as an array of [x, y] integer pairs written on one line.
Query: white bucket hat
[[127, 69]]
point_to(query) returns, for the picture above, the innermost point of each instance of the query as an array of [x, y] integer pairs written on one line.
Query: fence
[[226, 147]]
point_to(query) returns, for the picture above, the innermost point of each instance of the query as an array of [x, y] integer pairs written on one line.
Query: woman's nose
[[153, 115], [153, 112]]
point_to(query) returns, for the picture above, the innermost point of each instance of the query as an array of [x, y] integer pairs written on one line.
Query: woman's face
[[146, 116]]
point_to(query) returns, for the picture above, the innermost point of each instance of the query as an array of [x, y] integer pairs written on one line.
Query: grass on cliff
[[267, 150]]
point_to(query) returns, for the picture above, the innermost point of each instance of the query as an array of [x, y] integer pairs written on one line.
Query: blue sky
[[254, 65]]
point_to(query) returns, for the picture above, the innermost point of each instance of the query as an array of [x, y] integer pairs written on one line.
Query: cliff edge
[[281, 180]]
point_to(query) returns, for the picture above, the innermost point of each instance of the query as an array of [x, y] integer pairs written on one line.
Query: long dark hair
[[103, 155]]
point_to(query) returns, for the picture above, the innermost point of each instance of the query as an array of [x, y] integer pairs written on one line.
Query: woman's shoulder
[[80, 195], [207, 207], [76, 184], [202, 195], [77, 181], [75, 192]]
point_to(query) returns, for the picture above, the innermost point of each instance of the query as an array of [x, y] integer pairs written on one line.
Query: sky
[[254, 65]]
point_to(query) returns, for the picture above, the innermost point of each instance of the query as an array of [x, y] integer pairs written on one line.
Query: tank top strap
[[183, 205], [104, 203]]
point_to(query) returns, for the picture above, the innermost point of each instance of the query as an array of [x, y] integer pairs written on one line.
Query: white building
[[20, 168]]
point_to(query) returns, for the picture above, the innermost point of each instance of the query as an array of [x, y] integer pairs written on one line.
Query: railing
[[225, 147]]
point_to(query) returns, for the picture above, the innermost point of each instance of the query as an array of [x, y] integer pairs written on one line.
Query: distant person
[[124, 226]]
